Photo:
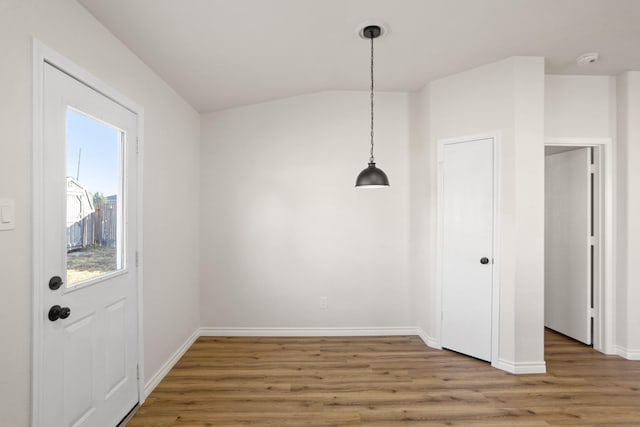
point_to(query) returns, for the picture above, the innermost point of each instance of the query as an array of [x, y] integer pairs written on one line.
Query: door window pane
[[94, 198]]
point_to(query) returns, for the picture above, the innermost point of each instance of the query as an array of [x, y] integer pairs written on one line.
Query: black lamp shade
[[372, 177]]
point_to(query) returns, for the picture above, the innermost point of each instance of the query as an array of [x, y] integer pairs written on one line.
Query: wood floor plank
[[386, 381]]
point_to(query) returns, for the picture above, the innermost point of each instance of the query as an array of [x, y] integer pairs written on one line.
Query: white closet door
[[467, 197]]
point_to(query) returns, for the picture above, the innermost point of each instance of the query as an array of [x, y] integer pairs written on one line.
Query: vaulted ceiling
[[224, 53]]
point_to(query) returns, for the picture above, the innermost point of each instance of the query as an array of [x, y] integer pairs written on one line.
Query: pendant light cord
[[371, 158]]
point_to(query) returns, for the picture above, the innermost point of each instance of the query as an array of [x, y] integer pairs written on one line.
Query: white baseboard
[[520, 367], [305, 332], [629, 354], [166, 367], [429, 341]]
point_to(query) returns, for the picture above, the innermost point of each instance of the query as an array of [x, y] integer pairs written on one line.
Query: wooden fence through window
[[106, 224], [98, 228]]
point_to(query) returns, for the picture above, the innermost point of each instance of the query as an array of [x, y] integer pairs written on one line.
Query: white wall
[[628, 216], [422, 218], [508, 97], [579, 106], [170, 178], [283, 225]]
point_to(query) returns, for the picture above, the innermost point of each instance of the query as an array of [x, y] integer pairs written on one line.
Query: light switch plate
[[7, 214]]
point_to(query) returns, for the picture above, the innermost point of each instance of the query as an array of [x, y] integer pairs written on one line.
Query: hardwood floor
[[386, 381]]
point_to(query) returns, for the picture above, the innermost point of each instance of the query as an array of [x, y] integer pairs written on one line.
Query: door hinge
[[137, 263], [592, 168], [137, 145], [138, 372], [592, 240]]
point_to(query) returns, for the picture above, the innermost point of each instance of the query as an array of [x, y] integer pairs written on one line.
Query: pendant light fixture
[[371, 177]]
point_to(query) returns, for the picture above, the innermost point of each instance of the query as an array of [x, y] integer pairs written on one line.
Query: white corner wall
[[628, 216], [171, 181], [422, 219], [282, 224], [508, 97]]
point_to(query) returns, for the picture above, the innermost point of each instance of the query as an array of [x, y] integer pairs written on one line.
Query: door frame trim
[[496, 136], [604, 304], [41, 55]]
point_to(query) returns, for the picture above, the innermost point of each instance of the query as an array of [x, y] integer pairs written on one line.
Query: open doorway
[[603, 268], [572, 231]]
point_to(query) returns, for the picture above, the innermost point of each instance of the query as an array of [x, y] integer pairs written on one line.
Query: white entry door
[[568, 249], [89, 342], [466, 227]]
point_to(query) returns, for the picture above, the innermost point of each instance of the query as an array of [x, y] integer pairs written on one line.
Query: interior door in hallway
[[568, 243], [466, 227]]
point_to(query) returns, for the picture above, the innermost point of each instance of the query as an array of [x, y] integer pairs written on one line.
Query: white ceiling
[[224, 53]]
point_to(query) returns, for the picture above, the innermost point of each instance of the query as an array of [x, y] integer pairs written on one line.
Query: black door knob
[[484, 260], [55, 282], [56, 312], [65, 312]]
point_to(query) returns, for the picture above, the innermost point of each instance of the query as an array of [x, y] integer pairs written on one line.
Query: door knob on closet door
[[484, 260]]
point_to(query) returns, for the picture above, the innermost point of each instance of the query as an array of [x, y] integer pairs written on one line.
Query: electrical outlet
[[324, 303]]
